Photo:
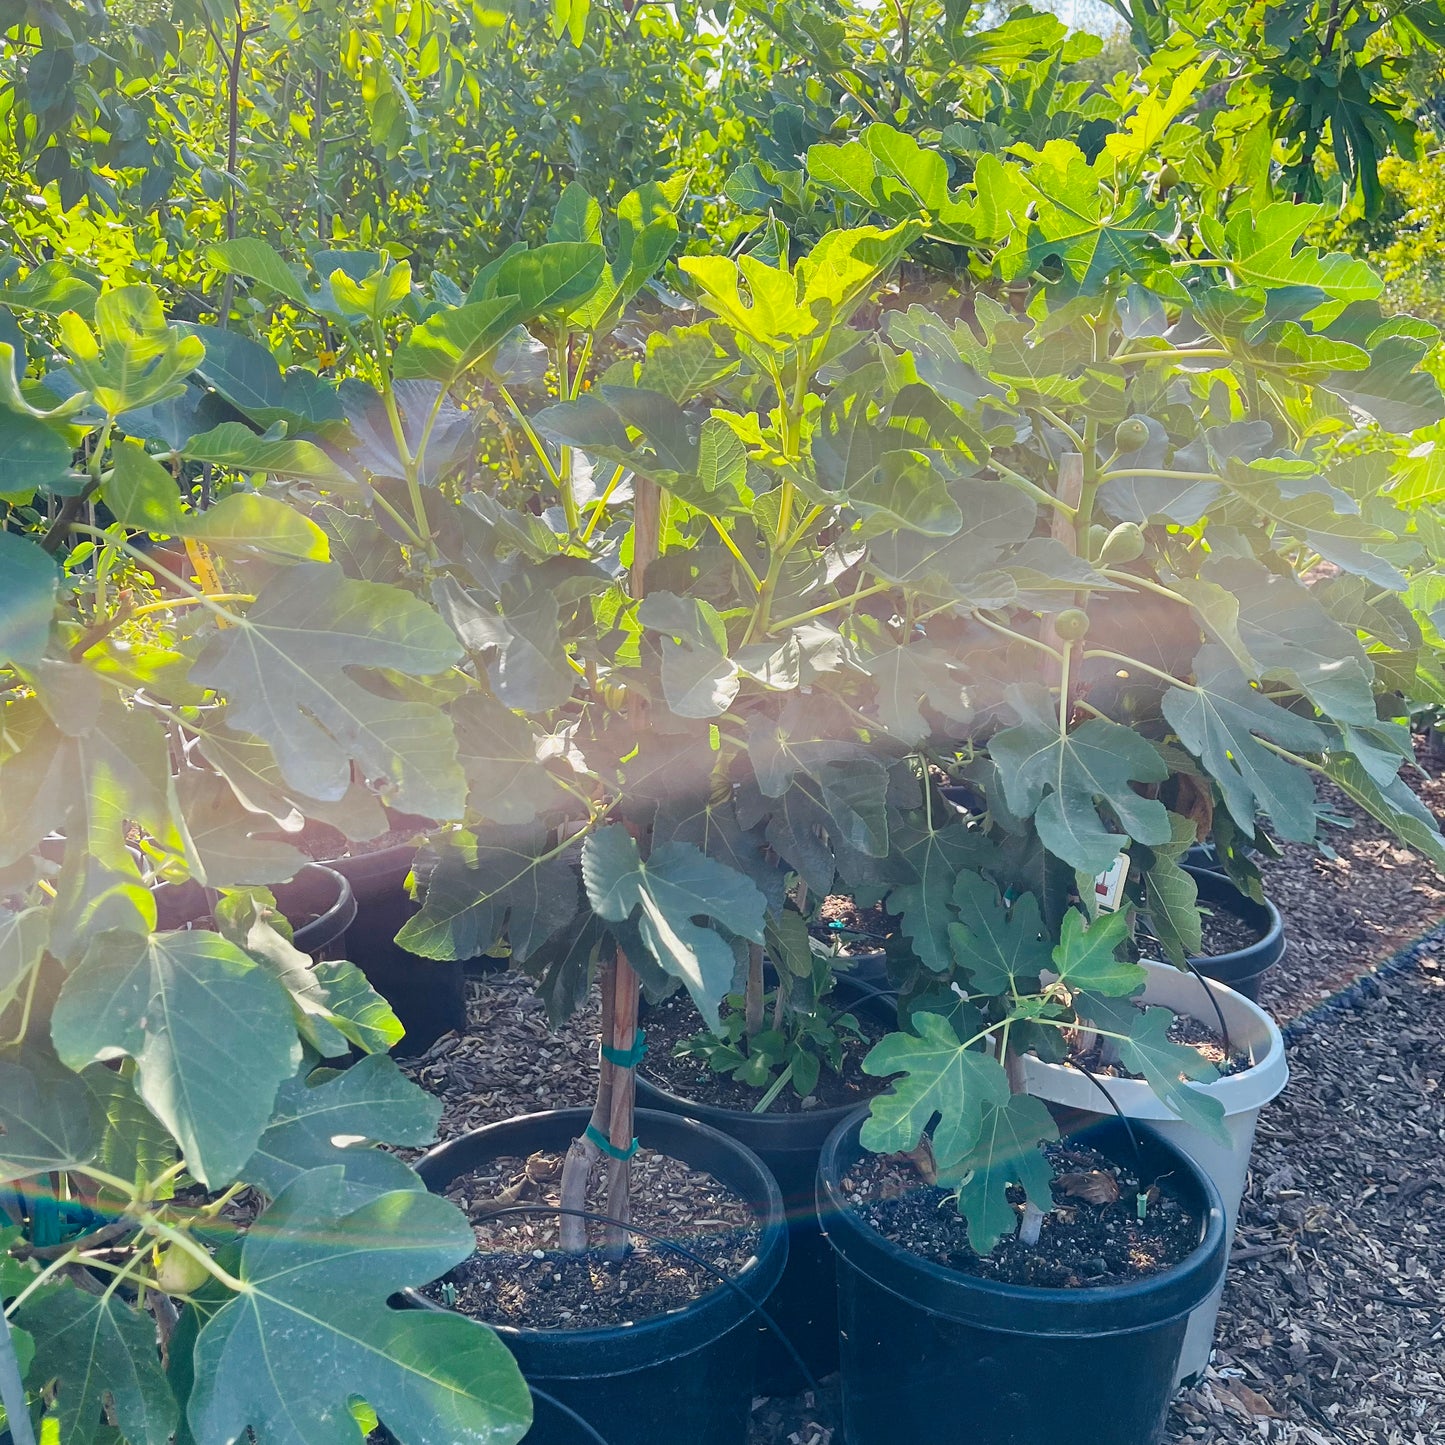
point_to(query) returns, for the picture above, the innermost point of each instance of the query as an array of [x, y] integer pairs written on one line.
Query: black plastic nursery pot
[[318, 901], [1244, 969], [930, 1356], [427, 995], [804, 1305], [683, 1376]]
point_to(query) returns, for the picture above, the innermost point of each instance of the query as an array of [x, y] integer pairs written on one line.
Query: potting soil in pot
[[1093, 1235], [675, 1019], [519, 1276], [857, 929], [1225, 932]]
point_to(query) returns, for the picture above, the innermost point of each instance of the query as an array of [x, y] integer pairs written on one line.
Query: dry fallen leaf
[[543, 1168], [1251, 1400], [921, 1157], [1093, 1186]]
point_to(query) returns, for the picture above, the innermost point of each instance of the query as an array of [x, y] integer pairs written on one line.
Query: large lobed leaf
[[1001, 946], [211, 1031], [941, 1077], [1085, 957], [285, 669], [505, 881], [1059, 778], [666, 892], [96, 1353], [1221, 719], [29, 585], [1005, 1153], [324, 1121], [49, 1116], [313, 1330]]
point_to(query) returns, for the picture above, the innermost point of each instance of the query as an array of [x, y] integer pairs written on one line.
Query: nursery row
[[830, 654]]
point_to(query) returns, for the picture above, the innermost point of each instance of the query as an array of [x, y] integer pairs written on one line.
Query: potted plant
[[1251, 1072], [1159, 675], [779, 1084], [654, 628]]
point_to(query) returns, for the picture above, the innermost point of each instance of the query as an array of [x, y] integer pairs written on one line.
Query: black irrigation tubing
[[753, 1306], [568, 1411], [1218, 1012], [870, 991], [1123, 1118]]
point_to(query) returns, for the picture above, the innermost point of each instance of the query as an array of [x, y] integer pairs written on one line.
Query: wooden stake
[[621, 1105]]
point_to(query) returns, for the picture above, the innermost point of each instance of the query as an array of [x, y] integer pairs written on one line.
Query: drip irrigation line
[[753, 1306], [1218, 1012], [870, 992], [568, 1411], [1123, 1118]]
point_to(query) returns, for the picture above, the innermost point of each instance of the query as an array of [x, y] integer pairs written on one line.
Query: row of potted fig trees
[[655, 645]]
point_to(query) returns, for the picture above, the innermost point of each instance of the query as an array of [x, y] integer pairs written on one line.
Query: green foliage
[[427, 1374], [993, 424], [804, 1036]]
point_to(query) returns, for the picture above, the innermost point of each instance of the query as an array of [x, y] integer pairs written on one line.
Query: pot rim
[[327, 926], [1269, 948]]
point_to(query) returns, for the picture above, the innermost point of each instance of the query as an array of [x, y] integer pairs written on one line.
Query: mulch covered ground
[[1333, 1325]]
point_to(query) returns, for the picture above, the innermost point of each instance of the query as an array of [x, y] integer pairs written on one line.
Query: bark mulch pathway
[[1333, 1325]]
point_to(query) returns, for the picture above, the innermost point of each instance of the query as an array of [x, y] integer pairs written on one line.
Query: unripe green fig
[[1098, 533], [179, 1272], [1130, 435], [1124, 544], [1071, 624]]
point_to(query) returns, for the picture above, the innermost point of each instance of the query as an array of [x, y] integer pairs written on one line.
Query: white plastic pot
[[1251, 1031]]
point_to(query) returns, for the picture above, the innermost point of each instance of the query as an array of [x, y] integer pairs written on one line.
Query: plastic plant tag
[[1109, 885]]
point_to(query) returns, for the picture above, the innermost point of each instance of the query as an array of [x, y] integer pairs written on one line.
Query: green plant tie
[[627, 1058], [605, 1144]]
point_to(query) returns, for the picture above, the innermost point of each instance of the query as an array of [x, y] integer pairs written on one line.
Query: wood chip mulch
[[1333, 1325], [509, 1062]]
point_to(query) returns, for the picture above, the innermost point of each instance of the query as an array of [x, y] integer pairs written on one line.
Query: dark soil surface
[[1226, 932], [519, 1277], [677, 1019], [1093, 1236]]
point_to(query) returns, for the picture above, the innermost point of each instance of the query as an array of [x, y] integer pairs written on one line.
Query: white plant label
[[1109, 885]]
